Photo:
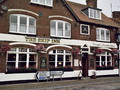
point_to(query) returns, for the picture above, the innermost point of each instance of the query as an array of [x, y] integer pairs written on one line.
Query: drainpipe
[[119, 58]]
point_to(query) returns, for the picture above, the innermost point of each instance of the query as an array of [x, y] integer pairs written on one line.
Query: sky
[[107, 6]]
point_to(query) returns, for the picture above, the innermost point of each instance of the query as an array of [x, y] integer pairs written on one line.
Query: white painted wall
[[32, 76], [107, 72]]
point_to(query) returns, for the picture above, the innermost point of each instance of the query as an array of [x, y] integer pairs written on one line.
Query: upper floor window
[[43, 2], [84, 29], [60, 28], [94, 13], [22, 24], [102, 34]]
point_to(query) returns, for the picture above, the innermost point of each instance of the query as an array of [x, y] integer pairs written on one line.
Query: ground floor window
[[104, 59], [21, 58], [60, 58]]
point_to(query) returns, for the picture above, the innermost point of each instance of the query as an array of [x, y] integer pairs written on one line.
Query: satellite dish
[[4, 7]]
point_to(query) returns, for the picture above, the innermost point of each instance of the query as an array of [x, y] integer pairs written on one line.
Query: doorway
[[85, 64]]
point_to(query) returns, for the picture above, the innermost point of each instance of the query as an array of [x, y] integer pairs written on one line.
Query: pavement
[[101, 83]]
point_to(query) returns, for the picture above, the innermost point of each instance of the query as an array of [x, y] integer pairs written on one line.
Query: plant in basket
[[39, 48]]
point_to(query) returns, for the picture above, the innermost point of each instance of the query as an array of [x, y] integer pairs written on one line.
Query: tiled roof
[[76, 7]]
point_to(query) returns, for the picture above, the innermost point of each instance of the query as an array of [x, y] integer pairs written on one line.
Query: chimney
[[116, 16], [92, 3]]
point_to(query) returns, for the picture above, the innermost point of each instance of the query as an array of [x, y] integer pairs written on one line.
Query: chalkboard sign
[[43, 62]]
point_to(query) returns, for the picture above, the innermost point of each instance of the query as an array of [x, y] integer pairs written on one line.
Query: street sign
[[43, 75], [56, 73]]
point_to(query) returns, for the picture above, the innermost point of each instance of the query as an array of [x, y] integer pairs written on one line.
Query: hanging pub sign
[[85, 29], [43, 62]]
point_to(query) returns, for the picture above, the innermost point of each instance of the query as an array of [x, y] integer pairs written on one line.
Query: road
[[109, 83]]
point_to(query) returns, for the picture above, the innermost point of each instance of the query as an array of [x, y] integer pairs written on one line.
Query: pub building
[[55, 35]]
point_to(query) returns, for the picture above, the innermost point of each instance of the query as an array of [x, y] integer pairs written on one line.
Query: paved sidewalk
[[61, 84]]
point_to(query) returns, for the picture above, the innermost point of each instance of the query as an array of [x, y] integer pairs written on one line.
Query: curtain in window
[[32, 25], [49, 2], [23, 24], [13, 23], [53, 27], [67, 29], [98, 34], [60, 29]]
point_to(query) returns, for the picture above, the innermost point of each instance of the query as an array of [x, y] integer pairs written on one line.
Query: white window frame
[[106, 55], [58, 53], [56, 27], [99, 36], [27, 52], [81, 29], [45, 4], [18, 24], [93, 13]]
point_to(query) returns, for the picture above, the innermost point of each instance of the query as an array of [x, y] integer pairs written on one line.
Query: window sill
[[103, 40], [105, 68], [21, 71], [61, 69]]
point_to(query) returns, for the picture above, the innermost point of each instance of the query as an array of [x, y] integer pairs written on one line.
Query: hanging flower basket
[[75, 51], [99, 51], [65, 68], [115, 51], [39, 48], [4, 47]]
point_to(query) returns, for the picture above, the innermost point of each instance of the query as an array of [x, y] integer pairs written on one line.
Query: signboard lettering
[[42, 40]]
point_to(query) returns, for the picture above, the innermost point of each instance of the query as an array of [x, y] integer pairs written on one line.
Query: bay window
[[102, 34], [60, 28], [60, 58], [104, 59], [22, 24], [21, 58]]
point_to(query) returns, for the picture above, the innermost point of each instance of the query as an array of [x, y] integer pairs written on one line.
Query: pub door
[[85, 64]]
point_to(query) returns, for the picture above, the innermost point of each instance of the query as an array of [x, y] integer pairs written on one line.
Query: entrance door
[[84, 64]]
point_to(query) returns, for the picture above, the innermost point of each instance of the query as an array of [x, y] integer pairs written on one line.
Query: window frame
[[93, 13], [64, 54], [106, 59], [17, 52], [18, 24], [81, 29], [99, 35], [56, 29], [44, 4]]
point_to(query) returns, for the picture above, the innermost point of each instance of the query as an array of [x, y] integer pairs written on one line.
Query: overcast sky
[[105, 5]]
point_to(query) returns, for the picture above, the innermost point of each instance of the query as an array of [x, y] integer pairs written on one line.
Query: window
[[60, 28], [60, 58], [95, 14], [43, 2], [104, 59], [102, 34], [21, 58], [84, 29], [22, 24]]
